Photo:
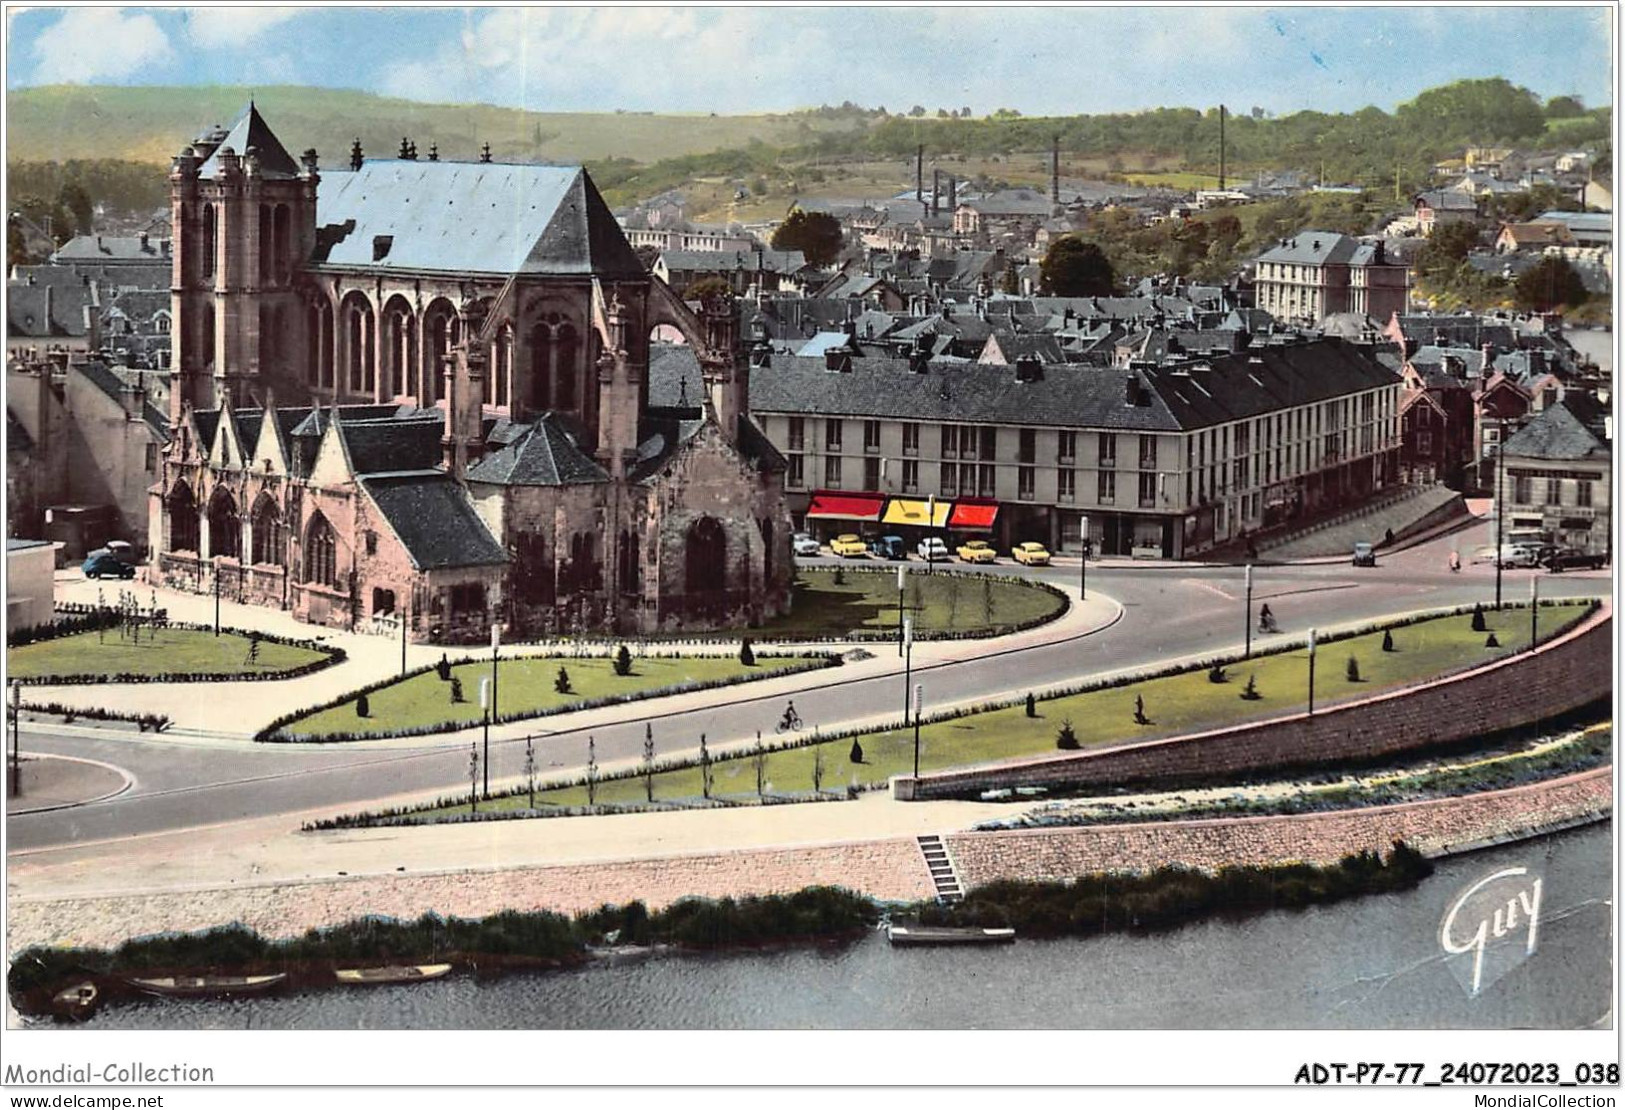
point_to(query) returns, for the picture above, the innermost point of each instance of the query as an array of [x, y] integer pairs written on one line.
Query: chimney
[[1221, 148], [837, 360], [434, 152], [936, 176], [919, 173], [1055, 170], [355, 154], [485, 152], [1131, 390], [1029, 369], [143, 242], [402, 153]]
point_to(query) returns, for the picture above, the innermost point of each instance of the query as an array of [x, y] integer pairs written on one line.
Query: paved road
[[1168, 612]]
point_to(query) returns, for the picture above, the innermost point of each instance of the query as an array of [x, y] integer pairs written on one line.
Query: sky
[[1052, 60]]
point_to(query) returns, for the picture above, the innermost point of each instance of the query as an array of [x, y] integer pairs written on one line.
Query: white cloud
[[98, 44], [234, 26]]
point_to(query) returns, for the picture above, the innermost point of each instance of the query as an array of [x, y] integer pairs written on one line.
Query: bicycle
[[790, 722]]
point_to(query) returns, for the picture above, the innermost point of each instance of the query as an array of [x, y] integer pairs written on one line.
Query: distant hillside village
[[953, 358]]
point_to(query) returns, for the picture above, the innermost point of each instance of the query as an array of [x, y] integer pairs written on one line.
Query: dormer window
[[381, 245]]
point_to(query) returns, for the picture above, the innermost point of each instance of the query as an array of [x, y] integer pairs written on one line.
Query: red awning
[[974, 515], [828, 505]]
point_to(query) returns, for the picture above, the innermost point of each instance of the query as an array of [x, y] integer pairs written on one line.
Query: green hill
[[149, 124]]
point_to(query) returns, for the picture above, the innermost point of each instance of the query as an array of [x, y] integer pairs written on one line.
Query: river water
[[1370, 963]]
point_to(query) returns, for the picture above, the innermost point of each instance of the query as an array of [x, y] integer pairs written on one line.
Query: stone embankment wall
[[892, 870], [1574, 670], [1434, 828]]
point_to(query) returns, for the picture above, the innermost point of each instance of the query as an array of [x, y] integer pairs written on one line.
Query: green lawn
[[939, 601], [1176, 704], [525, 688], [158, 652]]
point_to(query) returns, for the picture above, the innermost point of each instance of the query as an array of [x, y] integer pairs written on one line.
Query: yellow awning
[[907, 510]]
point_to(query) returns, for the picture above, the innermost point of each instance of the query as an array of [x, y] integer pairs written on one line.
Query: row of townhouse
[[1163, 461]]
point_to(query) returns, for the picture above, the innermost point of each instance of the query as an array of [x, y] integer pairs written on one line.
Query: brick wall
[[1569, 672], [1432, 827]]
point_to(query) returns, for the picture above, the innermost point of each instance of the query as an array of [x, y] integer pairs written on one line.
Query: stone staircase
[[941, 867]]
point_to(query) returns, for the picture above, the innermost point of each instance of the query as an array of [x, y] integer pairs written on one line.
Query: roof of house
[[1313, 248], [113, 249], [545, 454], [1580, 221], [1448, 200], [1557, 432], [1174, 398], [435, 521], [469, 217], [46, 311], [770, 261], [104, 378], [24, 545], [393, 445]]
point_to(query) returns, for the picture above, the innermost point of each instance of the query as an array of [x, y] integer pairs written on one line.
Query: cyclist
[[1266, 619]]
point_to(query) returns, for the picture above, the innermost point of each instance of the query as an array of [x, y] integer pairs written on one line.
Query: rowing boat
[[944, 934], [197, 986], [401, 974]]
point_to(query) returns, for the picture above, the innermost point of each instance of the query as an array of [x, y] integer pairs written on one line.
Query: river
[[1370, 963]]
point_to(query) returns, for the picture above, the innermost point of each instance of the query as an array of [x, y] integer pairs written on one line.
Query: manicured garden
[[448, 698], [838, 602], [155, 653], [1189, 701]]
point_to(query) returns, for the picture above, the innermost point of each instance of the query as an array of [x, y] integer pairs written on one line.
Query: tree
[[747, 657], [1388, 640], [1075, 268], [759, 758], [456, 691], [1250, 692], [1477, 111], [649, 762], [1066, 738], [1011, 281], [705, 768], [623, 661], [1447, 248], [1139, 711], [1564, 107], [758, 187], [77, 202], [561, 684], [818, 768], [1491, 642], [1216, 674], [443, 668], [1478, 616], [1032, 706], [856, 754], [1550, 283], [362, 708], [917, 111], [1352, 671], [712, 286], [817, 235], [648, 255]]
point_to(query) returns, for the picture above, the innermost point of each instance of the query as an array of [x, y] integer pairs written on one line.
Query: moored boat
[[77, 1001], [400, 974], [947, 934], [197, 986]]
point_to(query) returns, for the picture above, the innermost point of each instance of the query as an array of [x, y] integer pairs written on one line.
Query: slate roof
[[112, 275], [469, 217], [543, 455], [1313, 248], [1455, 330], [394, 445], [1174, 399], [1448, 200], [112, 250], [113, 385], [45, 311], [435, 521], [251, 130], [1557, 432], [770, 261]]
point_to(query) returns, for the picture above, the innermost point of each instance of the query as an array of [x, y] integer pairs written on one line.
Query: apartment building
[[1164, 461], [1316, 274]]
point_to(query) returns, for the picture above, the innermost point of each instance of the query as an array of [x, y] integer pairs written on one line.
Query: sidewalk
[[240, 709]]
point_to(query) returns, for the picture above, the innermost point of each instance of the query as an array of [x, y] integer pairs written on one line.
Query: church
[[413, 396]]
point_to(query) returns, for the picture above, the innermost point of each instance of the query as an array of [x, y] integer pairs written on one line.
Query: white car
[[932, 550], [803, 544]]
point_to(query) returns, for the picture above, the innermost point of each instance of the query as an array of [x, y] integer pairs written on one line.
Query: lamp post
[[406, 620], [16, 776], [1248, 616], [217, 595], [1534, 608], [919, 701], [908, 661], [1500, 500], [485, 712], [1083, 563], [900, 573], [931, 527], [496, 641], [473, 778], [1311, 672]]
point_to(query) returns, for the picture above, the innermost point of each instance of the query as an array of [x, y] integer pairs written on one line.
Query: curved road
[[1168, 612]]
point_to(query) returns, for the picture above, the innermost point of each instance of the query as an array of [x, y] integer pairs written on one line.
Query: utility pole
[[1083, 563], [1311, 672], [919, 701], [16, 740], [406, 620], [485, 711], [1534, 607], [217, 595], [908, 662], [900, 576]]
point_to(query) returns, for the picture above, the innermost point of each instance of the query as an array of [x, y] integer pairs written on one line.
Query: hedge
[[273, 733]]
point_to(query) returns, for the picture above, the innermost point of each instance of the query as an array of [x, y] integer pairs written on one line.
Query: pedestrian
[[1455, 562]]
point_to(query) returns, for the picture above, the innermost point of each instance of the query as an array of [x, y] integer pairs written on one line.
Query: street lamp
[[485, 710], [217, 595], [1534, 608], [931, 528], [1500, 500], [1248, 621], [1311, 672], [16, 776], [1083, 563], [406, 620], [900, 573], [496, 641], [919, 702], [908, 661]]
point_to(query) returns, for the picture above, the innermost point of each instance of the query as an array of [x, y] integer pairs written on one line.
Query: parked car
[[122, 551], [102, 563], [1573, 559], [1030, 554], [932, 549], [1365, 555], [977, 551], [888, 547], [803, 544], [848, 545], [1518, 555]]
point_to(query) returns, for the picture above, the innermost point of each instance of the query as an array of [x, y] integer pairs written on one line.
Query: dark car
[[1573, 560], [1365, 555], [888, 547], [102, 563]]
